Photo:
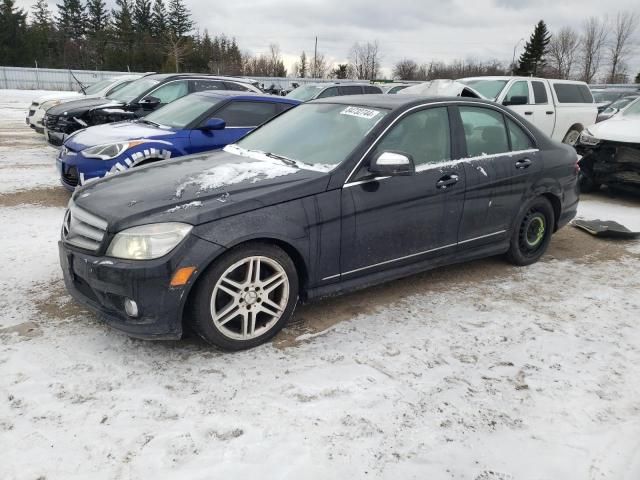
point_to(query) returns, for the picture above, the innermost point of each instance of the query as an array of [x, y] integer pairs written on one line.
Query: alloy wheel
[[249, 297]]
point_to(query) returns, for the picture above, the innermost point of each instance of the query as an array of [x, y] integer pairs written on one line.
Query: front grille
[[70, 177], [83, 229], [51, 122]]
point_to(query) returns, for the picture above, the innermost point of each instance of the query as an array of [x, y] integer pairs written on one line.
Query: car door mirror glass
[[392, 163], [214, 124]]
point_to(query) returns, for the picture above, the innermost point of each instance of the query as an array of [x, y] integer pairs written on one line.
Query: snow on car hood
[[196, 189], [619, 128], [441, 88], [58, 96], [115, 132]]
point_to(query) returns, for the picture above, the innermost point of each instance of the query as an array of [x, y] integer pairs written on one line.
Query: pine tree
[[122, 22], [180, 22], [71, 19], [142, 16], [41, 15], [97, 16], [303, 66], [158, 19], [13, 28], [532, 59]]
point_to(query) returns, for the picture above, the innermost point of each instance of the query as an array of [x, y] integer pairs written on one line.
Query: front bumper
[[55, 139], [76, 170], [103, 283]]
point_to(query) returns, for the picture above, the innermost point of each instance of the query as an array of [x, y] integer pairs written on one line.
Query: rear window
[[572, 93], [372, 89]]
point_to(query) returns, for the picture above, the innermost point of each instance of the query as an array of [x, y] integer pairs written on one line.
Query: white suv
[[99, 89], [560, 108]]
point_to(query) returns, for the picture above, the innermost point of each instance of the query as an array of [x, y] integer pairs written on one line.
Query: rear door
[[501, 162], [392, 221], [241, 117], [544, 111]]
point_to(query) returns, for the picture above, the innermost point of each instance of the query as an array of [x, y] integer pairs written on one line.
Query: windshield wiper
[[287, 160], [148, 122]]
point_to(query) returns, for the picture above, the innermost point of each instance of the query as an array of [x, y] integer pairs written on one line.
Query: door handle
[[447, 181], [528, 113], [524, 163], [549, 113]]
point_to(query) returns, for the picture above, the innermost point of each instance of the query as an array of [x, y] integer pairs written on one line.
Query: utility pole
[[315, 58]]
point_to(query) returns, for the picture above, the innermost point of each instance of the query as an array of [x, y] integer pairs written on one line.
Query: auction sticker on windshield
[[360, 112]]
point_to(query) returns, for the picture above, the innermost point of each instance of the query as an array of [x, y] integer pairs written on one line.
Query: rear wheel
[[532, 234], [245, 297]]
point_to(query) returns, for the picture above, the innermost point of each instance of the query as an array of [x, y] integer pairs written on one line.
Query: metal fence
[[58, 79]]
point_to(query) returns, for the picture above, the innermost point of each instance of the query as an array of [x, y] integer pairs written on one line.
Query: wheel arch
[[293, 252], [556, 204]]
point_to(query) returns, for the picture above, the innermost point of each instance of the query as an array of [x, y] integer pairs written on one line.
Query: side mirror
[[516, 100], [392, 163], [149, 102], [214, 124]]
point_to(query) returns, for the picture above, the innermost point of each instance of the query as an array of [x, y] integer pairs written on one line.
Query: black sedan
[[337, 194]]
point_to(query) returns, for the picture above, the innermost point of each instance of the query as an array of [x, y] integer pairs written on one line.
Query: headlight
[[49, 104], [587, 138], [109, 151], [148, 241]]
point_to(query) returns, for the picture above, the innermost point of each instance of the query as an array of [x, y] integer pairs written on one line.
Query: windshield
[[620, 103], [182, 112], [633, 109], [96, 87], [488, 88], [306, 92], [330, 133], [133, 90]]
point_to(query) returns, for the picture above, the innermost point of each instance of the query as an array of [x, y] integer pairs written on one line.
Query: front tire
[[246, 297], [532, 233]]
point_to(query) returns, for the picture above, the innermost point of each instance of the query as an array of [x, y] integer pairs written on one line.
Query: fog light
[[130, 307]]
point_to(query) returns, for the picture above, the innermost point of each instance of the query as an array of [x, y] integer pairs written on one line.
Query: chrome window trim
[[348, 183], [412, 255]]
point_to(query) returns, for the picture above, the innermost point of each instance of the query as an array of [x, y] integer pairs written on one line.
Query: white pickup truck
[[560, 108]]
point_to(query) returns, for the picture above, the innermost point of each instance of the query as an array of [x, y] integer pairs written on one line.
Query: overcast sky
[[422, 30]]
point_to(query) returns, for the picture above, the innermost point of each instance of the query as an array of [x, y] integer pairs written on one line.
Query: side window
[[329, 92], [247, 114], [519, 139], [572, 93], [518, 94], [202, 85], [424, 135], [238, 87], [484, 131], [171, 91], [540, 93], [371, 89], [117, 87], [350, 90]]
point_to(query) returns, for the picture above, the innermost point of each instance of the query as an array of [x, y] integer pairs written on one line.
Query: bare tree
[[620, 47], [594, 38], [318, 67], [405, 69], [562, 52], [364, 60]]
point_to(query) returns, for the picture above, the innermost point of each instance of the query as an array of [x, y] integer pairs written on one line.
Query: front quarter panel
[[309, 228]]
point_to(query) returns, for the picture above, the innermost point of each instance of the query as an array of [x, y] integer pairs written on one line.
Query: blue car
[[201, 121]]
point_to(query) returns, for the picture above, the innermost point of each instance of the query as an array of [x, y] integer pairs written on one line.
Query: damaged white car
[[611, 152]]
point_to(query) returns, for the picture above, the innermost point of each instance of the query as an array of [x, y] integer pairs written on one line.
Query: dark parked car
[[133, 101], [311, 91], [333, 195]]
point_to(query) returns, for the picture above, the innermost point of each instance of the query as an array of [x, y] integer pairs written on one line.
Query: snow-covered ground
[[480, 371]]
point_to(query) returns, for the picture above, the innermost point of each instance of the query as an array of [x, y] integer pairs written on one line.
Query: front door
[[391, 221]]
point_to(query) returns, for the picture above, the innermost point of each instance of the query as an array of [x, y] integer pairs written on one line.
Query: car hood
[[116, 132], [618, 128], [82, 105], [441, 88], [58, 96], [196, 189]]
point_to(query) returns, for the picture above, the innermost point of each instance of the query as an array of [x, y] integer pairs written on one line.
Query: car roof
[[342, 84], [393, 102], [165, 76], [238, 95]]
